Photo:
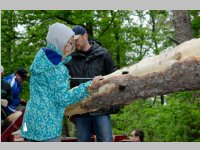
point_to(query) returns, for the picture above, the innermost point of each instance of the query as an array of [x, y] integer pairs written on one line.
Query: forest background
[[129, 35]]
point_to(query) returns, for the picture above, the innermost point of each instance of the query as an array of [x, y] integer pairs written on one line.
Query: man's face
[[80, 42]]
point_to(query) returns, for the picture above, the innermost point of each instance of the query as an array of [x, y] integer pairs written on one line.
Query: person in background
[[6, 95], [137, 136], [15, 81], [89, 60], [49, 87]]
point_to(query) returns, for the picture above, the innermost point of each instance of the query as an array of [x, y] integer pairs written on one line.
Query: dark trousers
[[87, 125]]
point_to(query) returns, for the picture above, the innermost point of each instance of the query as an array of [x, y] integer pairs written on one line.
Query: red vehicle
[[11, 133]]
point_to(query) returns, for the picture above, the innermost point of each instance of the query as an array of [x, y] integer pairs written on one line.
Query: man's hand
[[4, 102]]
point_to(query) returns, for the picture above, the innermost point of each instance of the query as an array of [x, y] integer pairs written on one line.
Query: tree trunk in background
[[172, 71], [152, 16], [89, 28], [182, 24], [10, 35], [117, 48]]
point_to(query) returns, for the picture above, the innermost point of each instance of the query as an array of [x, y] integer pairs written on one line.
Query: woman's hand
[[96, 83], [68, 49]]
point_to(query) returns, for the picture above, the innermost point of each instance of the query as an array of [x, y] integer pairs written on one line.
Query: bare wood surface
[[176, 69]]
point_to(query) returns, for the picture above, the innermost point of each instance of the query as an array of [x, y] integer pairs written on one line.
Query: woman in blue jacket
[[49, 87]]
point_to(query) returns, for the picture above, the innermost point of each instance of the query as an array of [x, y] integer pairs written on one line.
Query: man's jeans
[[87, 125]]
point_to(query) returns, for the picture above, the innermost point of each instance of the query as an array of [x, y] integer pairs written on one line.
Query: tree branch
[[111, 21]]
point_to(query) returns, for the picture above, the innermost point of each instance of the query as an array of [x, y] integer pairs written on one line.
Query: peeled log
[[176, 69]]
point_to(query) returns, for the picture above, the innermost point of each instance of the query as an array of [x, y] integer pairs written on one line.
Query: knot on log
[[125, 72], [122, 88]]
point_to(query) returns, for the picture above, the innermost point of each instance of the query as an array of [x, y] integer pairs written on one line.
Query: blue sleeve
[[7, 79], [65, 97], [66, 59], [16, 99]]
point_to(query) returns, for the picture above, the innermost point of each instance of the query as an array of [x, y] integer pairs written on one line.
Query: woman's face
[[69, 47]]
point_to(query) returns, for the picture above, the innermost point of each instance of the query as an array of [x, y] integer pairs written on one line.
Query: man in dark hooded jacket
[[89, 60]]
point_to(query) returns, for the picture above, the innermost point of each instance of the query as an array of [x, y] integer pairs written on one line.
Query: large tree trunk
[[182, 24], [177, 69]]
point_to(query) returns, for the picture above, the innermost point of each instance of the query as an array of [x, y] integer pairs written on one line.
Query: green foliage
[[177, 121], [195, 17]]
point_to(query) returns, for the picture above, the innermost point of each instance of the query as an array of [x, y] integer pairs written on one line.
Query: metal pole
[[80, 78]]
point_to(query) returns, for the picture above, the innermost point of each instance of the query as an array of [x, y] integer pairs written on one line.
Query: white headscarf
[[58, 35]]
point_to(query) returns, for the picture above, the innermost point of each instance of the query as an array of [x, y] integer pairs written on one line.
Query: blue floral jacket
[[49, 96]]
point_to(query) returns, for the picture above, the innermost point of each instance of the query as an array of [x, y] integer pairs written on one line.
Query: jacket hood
[[58, 36]]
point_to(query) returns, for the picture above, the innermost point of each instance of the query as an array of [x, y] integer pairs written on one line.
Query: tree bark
[[174, 70], [182, 24]]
